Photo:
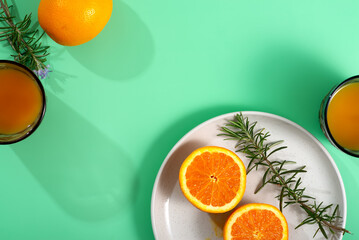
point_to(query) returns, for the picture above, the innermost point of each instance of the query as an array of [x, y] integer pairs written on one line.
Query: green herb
[[253, 142], [23, 40]]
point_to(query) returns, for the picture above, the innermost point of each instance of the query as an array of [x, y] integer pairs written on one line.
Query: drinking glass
[[323, 115], [9, 138]]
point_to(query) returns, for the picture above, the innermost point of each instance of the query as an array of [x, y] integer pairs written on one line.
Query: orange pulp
[[20, 101], [343, 116]]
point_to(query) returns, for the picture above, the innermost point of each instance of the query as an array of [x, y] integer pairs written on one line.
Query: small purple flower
[[43, 72]]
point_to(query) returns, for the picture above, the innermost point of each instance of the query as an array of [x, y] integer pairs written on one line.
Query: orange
[[256, 221], [74, 22], [213, 179]]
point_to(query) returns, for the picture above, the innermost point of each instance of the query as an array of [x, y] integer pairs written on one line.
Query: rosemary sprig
[[254, 143], [24, 41]]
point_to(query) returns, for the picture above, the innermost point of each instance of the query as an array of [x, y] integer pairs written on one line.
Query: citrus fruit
[[256, 221], [213, 179], [73, 22]]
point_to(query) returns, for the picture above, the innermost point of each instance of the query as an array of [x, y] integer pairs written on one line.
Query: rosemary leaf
[[24, 41], [254, 144]]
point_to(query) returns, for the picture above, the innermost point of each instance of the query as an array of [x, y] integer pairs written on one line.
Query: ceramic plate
[[174, 218]]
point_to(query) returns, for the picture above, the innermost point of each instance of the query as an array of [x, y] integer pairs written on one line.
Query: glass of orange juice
[[339, 116], [22, 102]]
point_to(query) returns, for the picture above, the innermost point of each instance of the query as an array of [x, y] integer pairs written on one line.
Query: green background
[[119, 103]]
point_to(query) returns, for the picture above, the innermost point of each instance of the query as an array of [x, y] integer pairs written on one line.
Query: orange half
[[256, 221], [213, 179]]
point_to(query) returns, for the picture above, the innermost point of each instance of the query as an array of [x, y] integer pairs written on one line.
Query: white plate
[[174, 218]]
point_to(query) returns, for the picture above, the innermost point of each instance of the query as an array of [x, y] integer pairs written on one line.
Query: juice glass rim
[[43, 98], [327, 100]]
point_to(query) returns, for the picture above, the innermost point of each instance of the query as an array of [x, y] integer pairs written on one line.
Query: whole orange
[[74, 22]]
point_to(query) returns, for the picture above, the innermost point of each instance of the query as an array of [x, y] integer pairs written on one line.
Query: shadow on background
[[292, 78], [126, 37], [85, 172], [157, 153], [56, 80]]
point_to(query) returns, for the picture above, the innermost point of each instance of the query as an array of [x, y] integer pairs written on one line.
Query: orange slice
[[256, 221], [213, 179]]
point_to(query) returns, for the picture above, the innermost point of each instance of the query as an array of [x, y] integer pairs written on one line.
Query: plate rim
[[159, 173]]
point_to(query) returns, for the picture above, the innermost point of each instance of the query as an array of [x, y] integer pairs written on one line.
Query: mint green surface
[[119, 103]]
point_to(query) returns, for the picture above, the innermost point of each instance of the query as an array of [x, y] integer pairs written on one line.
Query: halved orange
[[213, 179], [256, 221]]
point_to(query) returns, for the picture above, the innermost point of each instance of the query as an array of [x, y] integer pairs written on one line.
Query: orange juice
[[343, 116], [20, 101]]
